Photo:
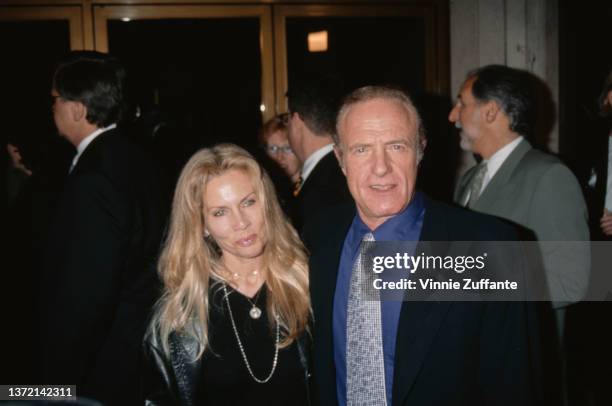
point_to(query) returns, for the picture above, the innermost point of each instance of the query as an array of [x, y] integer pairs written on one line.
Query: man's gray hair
[[368, 93]]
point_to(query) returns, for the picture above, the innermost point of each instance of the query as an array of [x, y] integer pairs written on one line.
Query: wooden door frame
[[71, 13]]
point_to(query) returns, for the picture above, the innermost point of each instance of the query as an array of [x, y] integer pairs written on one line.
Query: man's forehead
[[379, 109], [378, 114]]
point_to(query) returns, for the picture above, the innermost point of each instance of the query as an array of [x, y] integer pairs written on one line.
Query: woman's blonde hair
[[189, 261]]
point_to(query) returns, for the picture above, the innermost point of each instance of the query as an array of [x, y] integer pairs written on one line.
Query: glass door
[[397, 45], [204, 73]]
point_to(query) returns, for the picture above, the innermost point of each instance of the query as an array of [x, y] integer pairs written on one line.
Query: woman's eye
[[219, 213], [249, 202]]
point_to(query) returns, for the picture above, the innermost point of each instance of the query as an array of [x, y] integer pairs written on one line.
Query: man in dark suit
[[99, 279], [430, 352], [599, 186], [313, 104]]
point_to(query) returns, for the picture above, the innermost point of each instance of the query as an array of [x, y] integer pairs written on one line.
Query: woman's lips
[[247, 241]]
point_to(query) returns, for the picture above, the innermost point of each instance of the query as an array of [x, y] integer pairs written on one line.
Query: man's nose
[[453, 116], [381, 162]]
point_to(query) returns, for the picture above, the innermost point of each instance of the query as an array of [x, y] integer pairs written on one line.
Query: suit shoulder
[[122, 157], [547, 167], [327, 172], [467, 225], [535, 159], [319, 226], [120, 146]]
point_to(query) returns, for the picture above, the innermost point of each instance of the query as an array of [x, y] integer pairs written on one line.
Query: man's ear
[[296, 115], [78, 111], [339, 157], [491, 110], [298, 122]]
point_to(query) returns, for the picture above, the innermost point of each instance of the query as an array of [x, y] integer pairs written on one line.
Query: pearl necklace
[[255, 311], [250, 276], [244, 357]]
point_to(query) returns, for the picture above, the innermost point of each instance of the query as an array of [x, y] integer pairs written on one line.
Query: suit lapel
[[420, 320], [501, 178]]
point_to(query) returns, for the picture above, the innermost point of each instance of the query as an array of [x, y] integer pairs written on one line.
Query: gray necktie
[[365, 368], [475, 185]]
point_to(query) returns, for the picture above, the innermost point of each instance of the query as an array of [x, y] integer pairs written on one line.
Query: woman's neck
[[245, 276]]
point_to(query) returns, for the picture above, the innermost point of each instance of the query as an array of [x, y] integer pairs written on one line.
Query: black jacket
[[99, 280], [325, 187], [176, 381]]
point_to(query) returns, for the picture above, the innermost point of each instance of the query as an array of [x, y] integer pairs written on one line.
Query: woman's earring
[[206, 234]]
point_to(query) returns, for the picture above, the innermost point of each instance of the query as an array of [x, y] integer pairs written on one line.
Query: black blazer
[[99, 281], [448, 353], [177, 380], [596, 194], [324, 187]]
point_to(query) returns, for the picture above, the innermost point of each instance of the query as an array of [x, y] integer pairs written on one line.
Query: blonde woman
[[230, 328]]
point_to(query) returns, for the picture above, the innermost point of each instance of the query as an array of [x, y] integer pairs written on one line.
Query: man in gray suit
[[495, 111]]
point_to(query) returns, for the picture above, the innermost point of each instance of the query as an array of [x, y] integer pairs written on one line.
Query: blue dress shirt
[[406, 226]]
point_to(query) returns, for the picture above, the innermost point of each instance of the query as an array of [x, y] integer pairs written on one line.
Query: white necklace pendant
[[255, 312]]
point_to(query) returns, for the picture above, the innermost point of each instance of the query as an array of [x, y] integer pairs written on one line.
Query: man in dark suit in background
[[99, 279], [599, 187], [405, 353], [313, 103]]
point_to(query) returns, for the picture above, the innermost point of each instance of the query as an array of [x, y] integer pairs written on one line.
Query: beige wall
[[517, 33]]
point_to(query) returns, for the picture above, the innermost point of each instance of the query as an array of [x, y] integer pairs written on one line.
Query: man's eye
[[360, 150], [397, 147]]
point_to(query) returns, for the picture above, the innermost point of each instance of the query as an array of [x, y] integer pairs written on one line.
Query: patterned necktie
[[298, 186], [365, 367], [475, 185]]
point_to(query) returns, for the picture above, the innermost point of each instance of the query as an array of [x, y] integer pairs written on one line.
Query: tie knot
[[368, 237], [298, 186], [482, 167]]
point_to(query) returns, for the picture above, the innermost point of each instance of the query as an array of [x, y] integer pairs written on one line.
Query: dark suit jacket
[[595, 193], [99, 278], [447, 353], [324, 187]]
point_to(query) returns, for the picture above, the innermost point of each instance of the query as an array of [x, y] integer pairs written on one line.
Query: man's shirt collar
[[314, 159], [396, 228], [498, 158], [87, 140]]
